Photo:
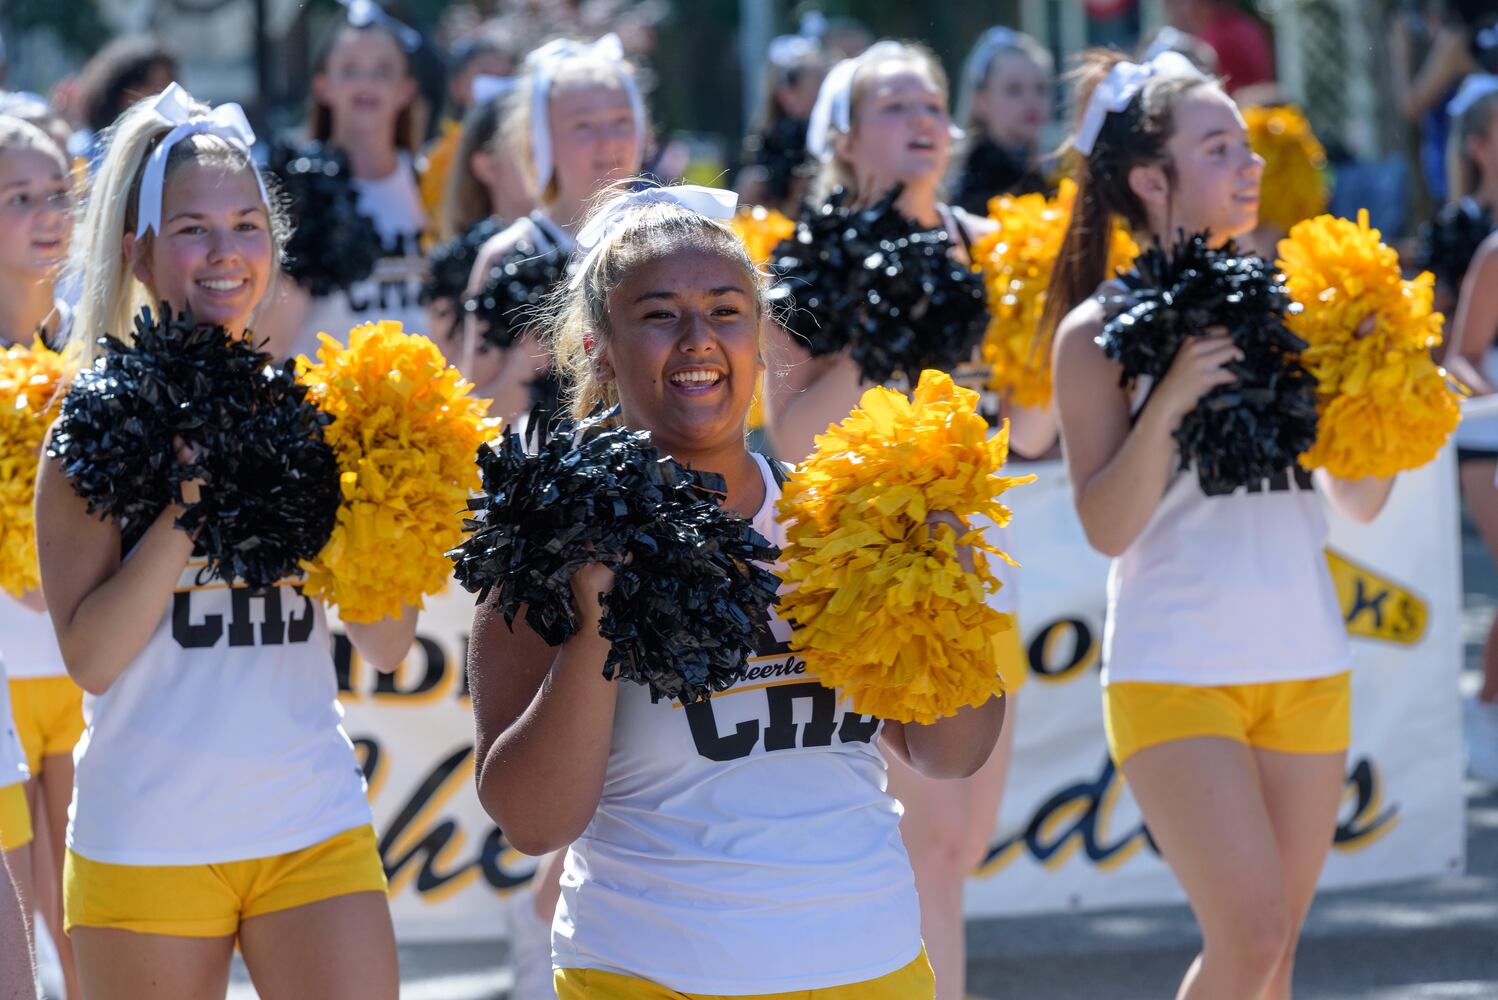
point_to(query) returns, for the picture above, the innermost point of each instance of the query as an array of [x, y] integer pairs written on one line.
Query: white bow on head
[[712, 203], [1118, 88], [981, 58], [368, 13], [543, 64], [487, 87], [1473, 89], [173, 106], [833, 111]]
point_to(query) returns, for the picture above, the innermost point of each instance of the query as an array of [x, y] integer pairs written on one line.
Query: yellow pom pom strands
[[1016, 261], [31, 379], [1384, 405], [405, 430], [883, 609], [761, 229], [1294, 186]]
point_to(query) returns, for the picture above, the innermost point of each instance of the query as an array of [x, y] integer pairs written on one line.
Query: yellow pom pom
[[31, 380], [405, 430], [1016, 261], [1294, 185], [883, 609], [1385, 406], [761, 228], [434, 166]]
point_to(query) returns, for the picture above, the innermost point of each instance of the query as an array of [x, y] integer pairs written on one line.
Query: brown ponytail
[[1130, 138]]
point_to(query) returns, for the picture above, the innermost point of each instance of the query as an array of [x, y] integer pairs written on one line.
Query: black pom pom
[[874, 282], [1251, 429], [517, 285], [781, 151], [450, 264], [688, 598], [270, 489], [1450, 240], [333, 245]]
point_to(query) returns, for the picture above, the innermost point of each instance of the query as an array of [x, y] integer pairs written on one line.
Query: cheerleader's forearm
[[544, 722]]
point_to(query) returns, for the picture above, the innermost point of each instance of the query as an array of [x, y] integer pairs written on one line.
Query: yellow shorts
[[49, 716], [213, 900], [913, 982], [15, 817], [1313, 716]]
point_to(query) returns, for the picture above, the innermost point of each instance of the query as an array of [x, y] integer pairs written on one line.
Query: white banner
[[1069, 835]]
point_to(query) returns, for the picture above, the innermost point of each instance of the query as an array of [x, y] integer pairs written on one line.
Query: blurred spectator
[[124, 71], [1245, 56], [1422, 94]]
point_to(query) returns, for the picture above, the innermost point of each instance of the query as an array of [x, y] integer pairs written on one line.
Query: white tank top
[[28, 642], [1481, 433], [13, 768], [222, 741], [745, 844], [1226, 589], [393, 292]]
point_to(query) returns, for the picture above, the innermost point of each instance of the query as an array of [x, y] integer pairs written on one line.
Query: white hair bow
[[543, 64], [173, 106], [1118, 88], [833, 111], [487, 87], [712, 203], [1473, 89], [368, 13], [981, 58]]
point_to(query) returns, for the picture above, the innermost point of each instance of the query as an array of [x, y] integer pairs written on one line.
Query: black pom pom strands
[[332, 245], [1449, 241], [450, 264], [1250, 429], [874, 282], [270, 482], [513, 291], [688, 598]]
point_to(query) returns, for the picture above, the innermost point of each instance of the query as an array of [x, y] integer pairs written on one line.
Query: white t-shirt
[[13, 768], [393, 292], [1229, 589], [28, 641], [745, 844], [223, 740]]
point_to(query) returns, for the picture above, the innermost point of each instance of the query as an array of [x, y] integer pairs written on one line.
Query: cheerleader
[[1232, 735], [577, 124], [695, 867], [15, 827], [1003, 106], [484, 181], [484, 191], [1448, 242], [775, 152], [896, 131], [488, 53], [35, 222], [364, 105], [216, 797]]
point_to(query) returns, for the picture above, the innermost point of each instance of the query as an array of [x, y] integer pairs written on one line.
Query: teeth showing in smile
[[220, 285], [695, 377]]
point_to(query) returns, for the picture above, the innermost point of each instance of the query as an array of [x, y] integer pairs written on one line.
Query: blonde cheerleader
[[217, 800]]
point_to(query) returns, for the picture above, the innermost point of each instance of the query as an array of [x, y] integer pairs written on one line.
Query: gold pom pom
[[1016, 261], [31, 380], [405, 430], [761, 229], [1294, 184], [1385, 406], [881, 605]]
